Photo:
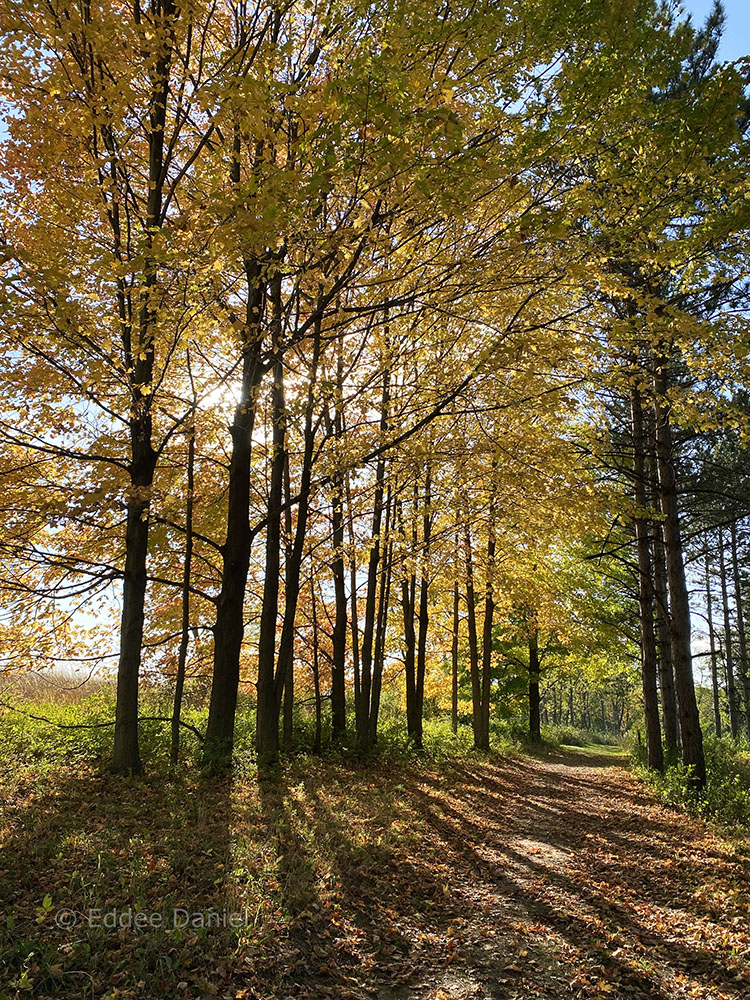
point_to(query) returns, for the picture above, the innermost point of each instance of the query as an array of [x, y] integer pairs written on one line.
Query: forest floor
[[518, 877]]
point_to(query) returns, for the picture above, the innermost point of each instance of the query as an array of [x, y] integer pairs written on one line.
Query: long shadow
[[107, 882], [365, 878], [466, 833]]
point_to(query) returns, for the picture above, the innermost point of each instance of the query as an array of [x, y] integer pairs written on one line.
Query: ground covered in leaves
[[511, 878]]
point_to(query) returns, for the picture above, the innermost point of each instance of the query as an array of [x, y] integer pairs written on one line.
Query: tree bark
[[476, 690], [645, 588], [679, 604], [741, 634], [734, 715], [139, 359], [363, 707], [661, 605], [424, 595], [285, 665], [270, 684], [179, 683], [316, 673], [535, 729], [489, 614], [229, 626], [338, 666], [664, 648], [712, 645], [454, 658], [386, 573]]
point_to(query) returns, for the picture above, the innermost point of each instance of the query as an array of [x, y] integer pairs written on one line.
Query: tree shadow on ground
[[108, 883]]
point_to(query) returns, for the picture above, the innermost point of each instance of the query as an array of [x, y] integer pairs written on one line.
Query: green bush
[[571, 736], [726, 797]]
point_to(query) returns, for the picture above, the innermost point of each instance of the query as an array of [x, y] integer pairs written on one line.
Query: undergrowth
[[726, 797], [46, 731]]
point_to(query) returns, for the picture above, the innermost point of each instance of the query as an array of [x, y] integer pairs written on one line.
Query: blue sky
[[736, 40]]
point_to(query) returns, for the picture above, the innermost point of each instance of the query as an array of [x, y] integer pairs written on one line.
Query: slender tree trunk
[[353, 599], [408, 591], [287, 710], [230, 626], [476, 689], [424, 595], [454, 658], [285, 665], [712, 644], [179, 683], [741, 634], [338, 666], [408, 584], [126, 758], [386, 574], [139, 358], [679, 604], [734, 715], [664, 648], [269, 682], [316, 672], [366, 661], [661, 606], [489, 614], [535, 729], [645, 589]]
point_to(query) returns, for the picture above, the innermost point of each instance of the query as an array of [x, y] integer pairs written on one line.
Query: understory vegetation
[[726, 797]]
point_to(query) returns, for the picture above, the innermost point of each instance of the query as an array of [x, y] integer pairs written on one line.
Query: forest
[[374, 500]]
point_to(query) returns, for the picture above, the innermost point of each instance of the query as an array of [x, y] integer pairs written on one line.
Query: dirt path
[[511, 879], [570, 882]]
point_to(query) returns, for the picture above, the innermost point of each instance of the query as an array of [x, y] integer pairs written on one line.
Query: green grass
[[317, 861], [615, 751]]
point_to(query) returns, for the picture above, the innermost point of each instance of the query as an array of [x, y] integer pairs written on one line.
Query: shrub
[[726, 797]]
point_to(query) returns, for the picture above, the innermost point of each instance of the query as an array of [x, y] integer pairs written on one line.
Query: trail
[[569, 881], [513, 878]]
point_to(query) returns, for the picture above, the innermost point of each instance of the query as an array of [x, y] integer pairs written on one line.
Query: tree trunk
[[126, 757], [368, 636], [661, 608], [645, 589], [381, 627], [476, 690], [179, 683], [316, 673], [535, 729], [285, 665], [712, 644], [664, 649], [287, 675], [338, 666], [679, 604], [353, 598], [489, 614], [741, 634], [229, 625], [424, 597], [139, 358], [408, 585], [269, 682], [734, 715], [454, 659]]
